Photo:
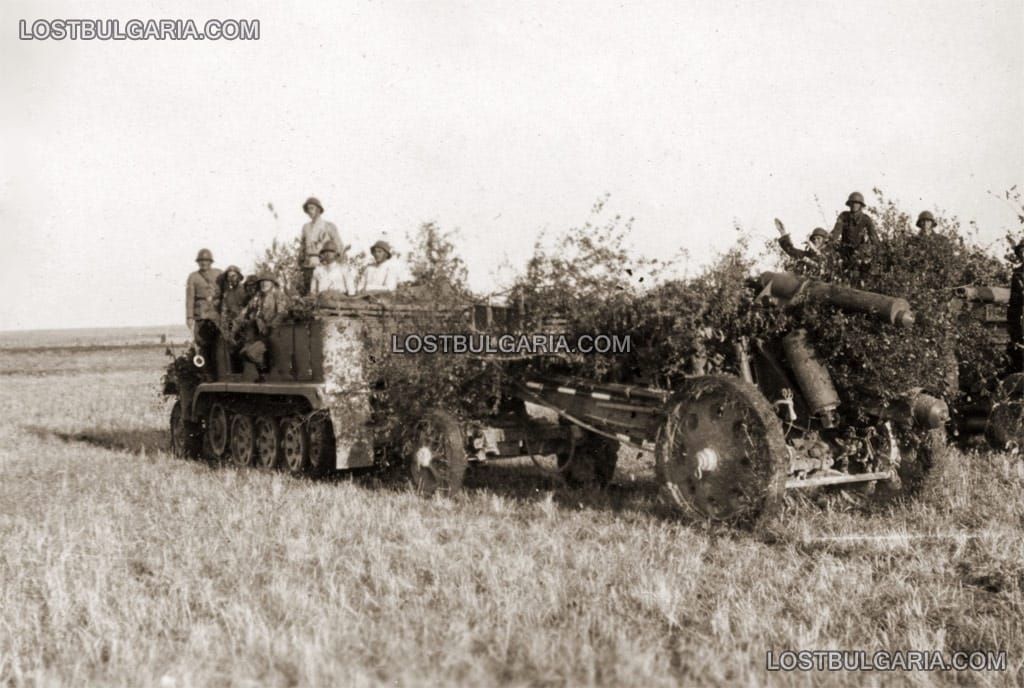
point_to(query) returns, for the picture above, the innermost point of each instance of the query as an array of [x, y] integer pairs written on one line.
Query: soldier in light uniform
[[382, 275], [854, 229], [202, 298], [315, 234], [331, 275]]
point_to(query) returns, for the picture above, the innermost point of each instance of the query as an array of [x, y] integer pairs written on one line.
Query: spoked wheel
[[721, 450], [589, 460], [268, 443], [217, 430], [186, 436], [437, 454], [321, 445], [294, 445], [1005, 426], [243, 441]]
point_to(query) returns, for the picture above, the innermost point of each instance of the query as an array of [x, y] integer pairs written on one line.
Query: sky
[[504, 120]]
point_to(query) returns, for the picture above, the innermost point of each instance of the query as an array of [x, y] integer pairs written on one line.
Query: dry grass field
[[120, 565]]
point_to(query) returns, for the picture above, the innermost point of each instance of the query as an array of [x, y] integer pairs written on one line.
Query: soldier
[[854, 228], [382, 275], [1015, 310], [331, 275], [926, 222], [314, 234], [232, 298], [816, 243], [262, 314], [201, 300]]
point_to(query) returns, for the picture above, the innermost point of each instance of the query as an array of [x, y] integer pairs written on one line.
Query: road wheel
[[321, 445], [186, 435], [243, 441], [721, 451], [268, 443], [589, 460], [217, 431], [437, 454], [294, 445]]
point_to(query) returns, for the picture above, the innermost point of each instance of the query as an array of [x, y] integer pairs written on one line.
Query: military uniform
[[315, 234], [201, 295], [852, 231]]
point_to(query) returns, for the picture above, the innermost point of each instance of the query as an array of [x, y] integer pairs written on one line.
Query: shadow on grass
[[117, 440], [524, 482]]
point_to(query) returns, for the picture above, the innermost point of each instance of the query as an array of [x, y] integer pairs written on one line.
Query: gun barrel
[[786, 285]]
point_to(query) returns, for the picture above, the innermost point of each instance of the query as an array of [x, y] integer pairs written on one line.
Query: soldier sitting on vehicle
[[816, 243], [201, 301], [382, 275], [331, 275], [261, 315], [854, 229]]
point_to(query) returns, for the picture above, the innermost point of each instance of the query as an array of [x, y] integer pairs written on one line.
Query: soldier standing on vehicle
[[1015, 311], [232, 298], [382, 275], [816, 243], [854, 229], [201, 302], [331, 275], [315, 234]]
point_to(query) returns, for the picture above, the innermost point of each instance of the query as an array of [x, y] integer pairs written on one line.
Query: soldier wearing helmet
[[232, 297], [315, 234], [382, 274], [202, 297], [816, 242], [331, 275], [926, 222], [854, 229]]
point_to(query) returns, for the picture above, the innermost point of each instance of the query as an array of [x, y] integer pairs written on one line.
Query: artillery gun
[[725, 446]]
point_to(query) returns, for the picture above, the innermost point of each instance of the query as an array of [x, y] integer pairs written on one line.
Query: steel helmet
[[819, 232], [925, 215], [312, 200], [329, 245], [268, 276], [855, 197], [204, 254], [234, 269]]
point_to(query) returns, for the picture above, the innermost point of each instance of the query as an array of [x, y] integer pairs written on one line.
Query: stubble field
[[120, 565]]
